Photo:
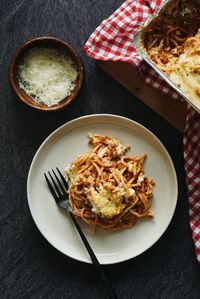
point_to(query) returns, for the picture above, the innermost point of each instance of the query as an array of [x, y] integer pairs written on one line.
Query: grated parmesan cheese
[[47, 75]]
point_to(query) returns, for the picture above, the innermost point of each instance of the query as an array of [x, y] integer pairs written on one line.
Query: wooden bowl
[[54, 43]]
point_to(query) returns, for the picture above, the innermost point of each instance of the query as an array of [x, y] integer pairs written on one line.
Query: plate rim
[[99, 115]]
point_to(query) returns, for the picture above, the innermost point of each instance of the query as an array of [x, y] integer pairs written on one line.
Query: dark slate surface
[[29, 266]]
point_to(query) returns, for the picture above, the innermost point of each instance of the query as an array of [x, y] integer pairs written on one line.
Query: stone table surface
[[29, 266]]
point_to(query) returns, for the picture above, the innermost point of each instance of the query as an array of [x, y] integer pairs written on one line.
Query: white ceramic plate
[[61, 148]]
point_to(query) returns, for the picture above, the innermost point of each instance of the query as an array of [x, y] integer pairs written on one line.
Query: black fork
[[58, 187]]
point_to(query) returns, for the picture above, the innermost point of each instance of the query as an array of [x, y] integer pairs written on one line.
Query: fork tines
[[57, 186]]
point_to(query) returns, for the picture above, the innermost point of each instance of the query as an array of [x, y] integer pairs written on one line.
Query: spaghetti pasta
[[108, 188], [176, 22], [172, 42]]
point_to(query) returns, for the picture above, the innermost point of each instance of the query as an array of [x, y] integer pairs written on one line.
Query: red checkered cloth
[[113, 40], [191, 142]]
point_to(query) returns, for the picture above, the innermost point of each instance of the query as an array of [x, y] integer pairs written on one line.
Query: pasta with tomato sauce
[[108, 188], [172, 42]]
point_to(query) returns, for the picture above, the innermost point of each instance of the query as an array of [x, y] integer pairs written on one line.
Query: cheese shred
[[47, 75]]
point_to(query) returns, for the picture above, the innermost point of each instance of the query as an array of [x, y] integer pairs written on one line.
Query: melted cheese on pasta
[[182, 65], [186, 73]]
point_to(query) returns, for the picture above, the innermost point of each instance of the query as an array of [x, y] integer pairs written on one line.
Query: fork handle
[[111, 292]]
